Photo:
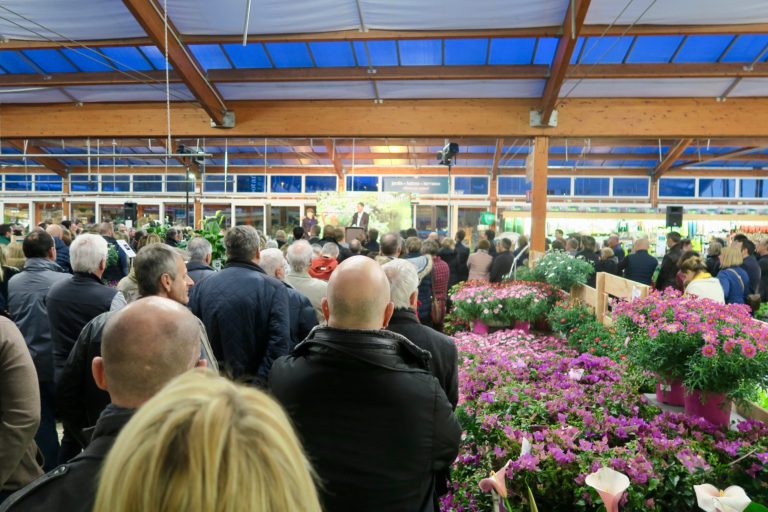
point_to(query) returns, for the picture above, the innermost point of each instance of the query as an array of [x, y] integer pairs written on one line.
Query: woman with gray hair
[[713, 257]]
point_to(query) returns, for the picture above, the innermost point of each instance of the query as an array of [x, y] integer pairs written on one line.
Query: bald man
[[375, 422], [143, 347], [639, 266]]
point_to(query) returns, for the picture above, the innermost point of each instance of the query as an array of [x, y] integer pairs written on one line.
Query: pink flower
[[496, 482], [709, 351], [748, 350]]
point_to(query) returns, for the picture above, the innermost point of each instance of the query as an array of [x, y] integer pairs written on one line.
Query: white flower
[[712, 499], [576, 374], [610, 484], [525, 447]]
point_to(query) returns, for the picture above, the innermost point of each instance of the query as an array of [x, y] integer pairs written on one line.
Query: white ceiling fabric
[[751, 87], [356, 90], [134, 92], [32, 95], [461, 14], [73, 19], [646, 88], [427, 89], [267, 16], [677, 12]]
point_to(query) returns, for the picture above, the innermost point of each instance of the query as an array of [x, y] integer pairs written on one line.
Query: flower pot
[[478, 327], [670, 392], [713, 407], [523, 326]]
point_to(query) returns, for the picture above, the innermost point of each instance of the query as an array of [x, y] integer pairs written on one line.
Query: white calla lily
[[610, 484], [711, 499], [576, 374], [525, 447]]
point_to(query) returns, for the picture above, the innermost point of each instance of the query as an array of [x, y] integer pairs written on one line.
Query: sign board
[[487, 219], [127, 249], [429, 185]]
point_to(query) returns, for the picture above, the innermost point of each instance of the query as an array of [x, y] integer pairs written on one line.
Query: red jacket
[[322, 267]]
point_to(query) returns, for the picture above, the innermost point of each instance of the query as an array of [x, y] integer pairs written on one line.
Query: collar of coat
[[39, 264]]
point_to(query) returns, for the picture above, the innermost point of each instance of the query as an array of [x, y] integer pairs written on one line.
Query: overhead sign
[[416, 185]]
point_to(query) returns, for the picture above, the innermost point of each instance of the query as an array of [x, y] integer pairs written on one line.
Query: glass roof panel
[[155, 56], [512, 50], [332, 54], [703, 48], [545, 50], [14, 62], [290, 55], [605, 50], [50, 61], [210, 56], [251, 56], [654, 49], [423, 52], [87, 60], [127, 58], [746, 48], [465, 51], [383, 53]]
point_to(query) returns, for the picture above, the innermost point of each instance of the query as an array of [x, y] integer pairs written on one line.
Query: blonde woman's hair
[[205, 444], [14, 255], [606, 253], [731, 257]]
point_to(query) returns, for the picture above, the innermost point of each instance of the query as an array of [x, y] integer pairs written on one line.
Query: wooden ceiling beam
[[581, 118], [372, 35], [149, 14], [52, 164], [333, 156], [572, 25], [540, 72], [739, 154], [672, 156]]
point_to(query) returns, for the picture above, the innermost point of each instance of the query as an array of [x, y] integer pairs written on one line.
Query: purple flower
[[709, 351]]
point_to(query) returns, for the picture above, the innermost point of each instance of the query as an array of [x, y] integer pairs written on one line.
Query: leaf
[[755, 507], [531, 499]]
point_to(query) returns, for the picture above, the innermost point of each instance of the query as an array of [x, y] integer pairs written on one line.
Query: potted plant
[[561, 270]]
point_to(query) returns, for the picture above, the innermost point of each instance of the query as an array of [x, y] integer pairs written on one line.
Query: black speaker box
[[130, 211], [674, 216]]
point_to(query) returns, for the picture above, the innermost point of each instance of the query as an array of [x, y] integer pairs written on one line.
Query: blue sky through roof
[[605, 50], [87, 60], [251, 56], [512, 50], [421, 52], [50, 61], [703, 48], [127, 58], [155, 56], [654, 49], [290, 55], [746, 48], [332, 54], [14, 62], [545, 50], [383, 53], [210, 56], [466, 51]]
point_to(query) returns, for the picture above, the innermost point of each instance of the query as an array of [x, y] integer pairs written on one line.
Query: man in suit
[[360, 218], [462, 255], [639, 266]]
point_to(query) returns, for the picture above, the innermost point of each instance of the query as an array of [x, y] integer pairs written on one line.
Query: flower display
[[503, 303], [560, 269], [711, 499], [520, 410], [708, 346]]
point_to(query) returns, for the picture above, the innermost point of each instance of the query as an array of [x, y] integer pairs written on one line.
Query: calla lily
[[610, 484], [711, 499], [576, 374], [525, 447], [496, 482]]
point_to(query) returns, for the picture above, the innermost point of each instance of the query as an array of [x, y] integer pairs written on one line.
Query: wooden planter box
[[755, 412]]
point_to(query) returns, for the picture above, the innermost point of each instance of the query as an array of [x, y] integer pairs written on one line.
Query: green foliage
[[212, 231], [561, 270], [597, 339], [567, 315]]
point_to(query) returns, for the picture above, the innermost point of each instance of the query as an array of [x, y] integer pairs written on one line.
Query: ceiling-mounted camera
[[446, 155]]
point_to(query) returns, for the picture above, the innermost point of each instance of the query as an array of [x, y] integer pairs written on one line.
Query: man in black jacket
[[74, 302], [588, 253], [160, 272], [375, 423], [762, 253], [303, 318], [462, 255], [145, 345], [246, 314], [639, 266], [750, 265], [668, 273], [502, 263]]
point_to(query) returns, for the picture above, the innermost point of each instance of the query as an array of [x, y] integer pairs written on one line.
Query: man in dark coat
[[668, 273], [74, 302], [144, 346], [502, 263], [246, 314], [360, 218], [375, 422], [199, 264], [160, 272], [639, 266], [117, 262], [26, 301], [462, 255], [750, 264], [62, 251], [588, 253], [303, 318]]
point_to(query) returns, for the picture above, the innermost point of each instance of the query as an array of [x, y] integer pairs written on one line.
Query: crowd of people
[[156, 382], [309, 373], [731, 272]]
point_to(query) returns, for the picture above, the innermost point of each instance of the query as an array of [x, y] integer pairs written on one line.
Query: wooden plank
[[586, 294], [731, 155], [373, 35], [671, 157], [574, 20], [623, 288], [493, 192], [395, 73], [539, 194], [579, 117], [52, 164], [601, 307], [336, 161], [151, 16]]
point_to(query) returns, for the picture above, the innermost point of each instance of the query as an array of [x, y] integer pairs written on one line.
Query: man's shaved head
[[144, 346], [358, 295]]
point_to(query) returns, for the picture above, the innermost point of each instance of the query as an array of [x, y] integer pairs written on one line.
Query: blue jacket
[[247, 317], [639, 266], [303, 317], [735, 283], [752, 268], [62, 255], [618, 251]]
